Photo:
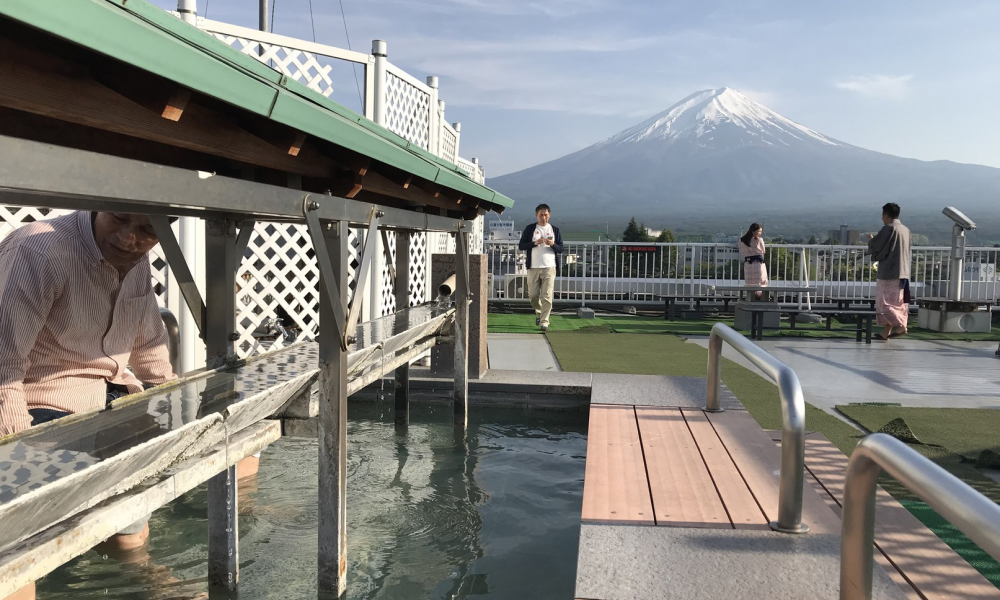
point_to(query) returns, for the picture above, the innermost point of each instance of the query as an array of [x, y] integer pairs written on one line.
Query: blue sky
[[533, 80]]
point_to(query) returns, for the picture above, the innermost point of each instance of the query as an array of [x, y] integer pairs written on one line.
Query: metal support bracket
[[181, 270], [361, 275], [243, 239], [309, 208], [388, 254]]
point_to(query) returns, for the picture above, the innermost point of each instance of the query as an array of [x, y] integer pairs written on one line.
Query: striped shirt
[[69, 322]]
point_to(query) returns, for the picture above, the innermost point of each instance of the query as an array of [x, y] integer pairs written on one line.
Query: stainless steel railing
[[173, 339], [972, 513], [793, 419]]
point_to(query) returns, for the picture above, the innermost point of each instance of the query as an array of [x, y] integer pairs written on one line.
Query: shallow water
[[496, 516]]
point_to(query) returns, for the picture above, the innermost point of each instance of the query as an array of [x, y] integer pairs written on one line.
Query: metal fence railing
[[793, 419], [638, 273], [970, 512]]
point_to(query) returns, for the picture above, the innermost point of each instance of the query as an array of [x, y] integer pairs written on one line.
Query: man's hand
[[550, 242], [540, 241]]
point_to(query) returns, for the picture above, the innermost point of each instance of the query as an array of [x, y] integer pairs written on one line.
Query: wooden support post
[[402, 291], [219, 328], [460, 395], [333, 424]]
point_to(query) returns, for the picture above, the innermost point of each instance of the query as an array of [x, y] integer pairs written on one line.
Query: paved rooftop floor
[[521, 352], [943, 374]]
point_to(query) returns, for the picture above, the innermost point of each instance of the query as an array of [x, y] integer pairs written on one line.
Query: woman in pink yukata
[[752, 250]]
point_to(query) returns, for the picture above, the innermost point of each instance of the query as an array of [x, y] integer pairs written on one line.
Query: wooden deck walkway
[[677, 503]]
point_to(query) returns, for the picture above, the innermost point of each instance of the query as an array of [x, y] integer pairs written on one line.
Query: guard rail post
[[970, 512], [793, 419]]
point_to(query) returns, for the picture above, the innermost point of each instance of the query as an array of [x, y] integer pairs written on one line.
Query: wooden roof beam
[[66, 92]]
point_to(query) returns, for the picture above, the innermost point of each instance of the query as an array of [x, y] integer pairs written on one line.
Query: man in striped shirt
[[79, 324], [78, 317]]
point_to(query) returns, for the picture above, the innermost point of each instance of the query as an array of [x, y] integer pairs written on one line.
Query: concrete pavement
[[944, 374]]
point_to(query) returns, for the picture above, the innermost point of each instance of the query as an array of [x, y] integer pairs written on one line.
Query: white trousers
[[541, 286]]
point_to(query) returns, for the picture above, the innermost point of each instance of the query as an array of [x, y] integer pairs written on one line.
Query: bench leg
[[868, 329], [791, 319], [858, 338], [666, 309], [829, 322]]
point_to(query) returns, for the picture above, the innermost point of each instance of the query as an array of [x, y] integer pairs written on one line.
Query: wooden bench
[[910, 552], [670, 302], [864, 322]]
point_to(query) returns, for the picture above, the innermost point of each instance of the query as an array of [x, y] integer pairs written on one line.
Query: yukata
[[754, 269], [890, 248]]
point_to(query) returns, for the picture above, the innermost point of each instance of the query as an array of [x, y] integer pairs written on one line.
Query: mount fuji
[[717, 152]]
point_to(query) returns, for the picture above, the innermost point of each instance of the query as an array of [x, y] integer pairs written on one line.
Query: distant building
[[845, 236]]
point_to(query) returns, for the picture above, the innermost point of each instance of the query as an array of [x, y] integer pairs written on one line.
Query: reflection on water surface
[[428, 517]]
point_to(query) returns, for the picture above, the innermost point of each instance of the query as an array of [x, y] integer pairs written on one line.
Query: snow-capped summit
[[718, 152], [722, 116]]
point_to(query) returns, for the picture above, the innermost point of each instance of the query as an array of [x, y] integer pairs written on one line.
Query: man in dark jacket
[[543, 243]]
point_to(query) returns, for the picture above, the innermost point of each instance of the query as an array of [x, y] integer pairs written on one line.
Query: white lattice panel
[[407, 111], [299, 65], [13, 217], [279, 277], [387, 300], [419, 268], [449, 141], [476, 236]]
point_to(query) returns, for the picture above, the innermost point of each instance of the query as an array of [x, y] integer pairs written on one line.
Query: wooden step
[[615, 489], [683, 492]]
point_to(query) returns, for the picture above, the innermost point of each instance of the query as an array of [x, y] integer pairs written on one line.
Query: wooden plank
[[759, 462], [175, 106], [744, 513], [615, 488], [929, 564], [683, 493], [46, 551]]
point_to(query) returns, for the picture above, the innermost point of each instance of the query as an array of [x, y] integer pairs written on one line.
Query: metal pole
[[402, 283], [972, 513], [460, 396], [220, 325], [188, 10], [381, 53], [957, 263], [333, 424], [188, 230], [264, 24], [793, 419]]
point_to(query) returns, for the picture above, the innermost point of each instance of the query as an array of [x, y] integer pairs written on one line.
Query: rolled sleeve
[[150, 358]]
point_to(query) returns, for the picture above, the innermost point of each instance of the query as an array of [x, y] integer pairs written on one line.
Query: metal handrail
[[793, 419], [173, 339], [972, 513]]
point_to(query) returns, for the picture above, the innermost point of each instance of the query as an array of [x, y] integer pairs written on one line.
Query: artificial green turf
[[670, 355], [525, 323]]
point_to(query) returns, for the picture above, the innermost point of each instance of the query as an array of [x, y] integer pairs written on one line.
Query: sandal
[[895, 335], [879, 336]]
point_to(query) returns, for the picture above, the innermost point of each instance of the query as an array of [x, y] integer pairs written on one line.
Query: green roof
[[147, 37]]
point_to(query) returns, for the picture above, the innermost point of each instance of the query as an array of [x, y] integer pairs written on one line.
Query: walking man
[[543, 243], [890, 247]]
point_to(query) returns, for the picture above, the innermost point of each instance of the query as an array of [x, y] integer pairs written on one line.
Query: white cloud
[[877, 86]]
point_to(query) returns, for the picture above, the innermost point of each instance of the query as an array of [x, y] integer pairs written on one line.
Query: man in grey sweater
[[890, 248]]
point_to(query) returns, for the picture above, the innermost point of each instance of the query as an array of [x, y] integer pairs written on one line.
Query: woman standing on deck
[[752, 250]]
